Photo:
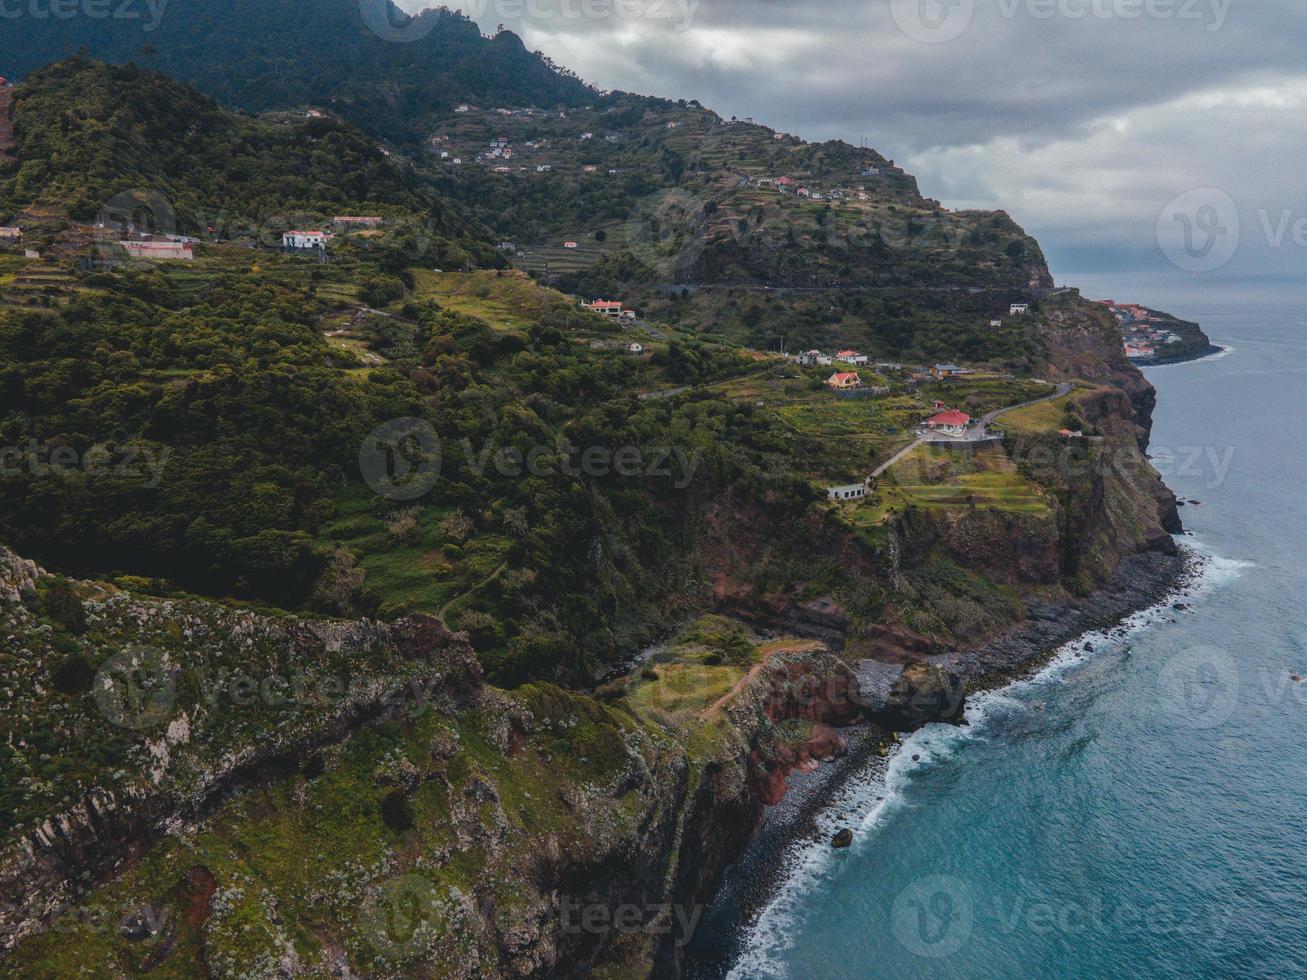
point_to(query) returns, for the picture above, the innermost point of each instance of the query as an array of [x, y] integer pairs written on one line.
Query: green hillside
[[367, 62]]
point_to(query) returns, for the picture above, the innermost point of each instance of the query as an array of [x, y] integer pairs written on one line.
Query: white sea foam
[[873, 796]]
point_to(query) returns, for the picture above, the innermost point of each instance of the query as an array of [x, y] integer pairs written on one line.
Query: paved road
[[1058, 392], [1061, 390]]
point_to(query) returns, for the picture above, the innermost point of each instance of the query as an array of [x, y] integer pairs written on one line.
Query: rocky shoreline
[[1210, 351], [1143, 581]]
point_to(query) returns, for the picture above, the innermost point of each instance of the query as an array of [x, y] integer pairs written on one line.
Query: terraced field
[[942, 477]]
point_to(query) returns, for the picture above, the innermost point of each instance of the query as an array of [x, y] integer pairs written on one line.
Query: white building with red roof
[[950, 423], [608, 307], [304, 239]]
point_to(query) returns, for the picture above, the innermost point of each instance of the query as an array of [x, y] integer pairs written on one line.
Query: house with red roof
[[844, 381], [608, 307], [950, 423]]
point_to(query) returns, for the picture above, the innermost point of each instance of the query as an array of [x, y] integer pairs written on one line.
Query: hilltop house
[[852, 357], [304, 239], [844, 381], [854, 491], [810, 358], [569, 244], [635, 348], [13, 233], [952, 423], [1017, 309], [608, 307], [996, 323]]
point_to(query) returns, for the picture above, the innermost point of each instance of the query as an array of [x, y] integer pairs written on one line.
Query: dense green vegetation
[[127, 145], [337, 54]]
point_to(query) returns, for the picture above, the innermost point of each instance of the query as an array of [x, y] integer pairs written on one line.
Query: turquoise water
[[1137, 812]]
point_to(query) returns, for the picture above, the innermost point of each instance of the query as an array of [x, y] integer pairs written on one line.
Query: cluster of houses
[[791, 185], [848, 381], [1139, 330]]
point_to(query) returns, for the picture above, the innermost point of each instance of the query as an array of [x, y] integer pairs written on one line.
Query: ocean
[[1135, 811]]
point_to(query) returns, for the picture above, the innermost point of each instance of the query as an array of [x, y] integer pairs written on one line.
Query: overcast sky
[[1085, 119]]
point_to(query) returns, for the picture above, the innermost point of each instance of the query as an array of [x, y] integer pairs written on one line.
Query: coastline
[[1212, 350], [1145, 581]]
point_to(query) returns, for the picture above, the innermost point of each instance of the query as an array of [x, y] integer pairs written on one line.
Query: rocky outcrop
[[924, 693], [253, 697]]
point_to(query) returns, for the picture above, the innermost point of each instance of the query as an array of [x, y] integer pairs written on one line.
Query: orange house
[[844, 381]]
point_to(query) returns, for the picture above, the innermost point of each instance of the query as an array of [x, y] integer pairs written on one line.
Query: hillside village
[[1152, 337]]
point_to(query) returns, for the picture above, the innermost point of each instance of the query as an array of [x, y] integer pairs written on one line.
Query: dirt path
[[714, 710], [480, 585]]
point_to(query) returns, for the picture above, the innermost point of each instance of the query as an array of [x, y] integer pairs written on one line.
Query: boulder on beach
[[843, 839], [924, 693]]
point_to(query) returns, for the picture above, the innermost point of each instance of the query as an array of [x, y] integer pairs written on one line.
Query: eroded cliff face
[[538, 832]]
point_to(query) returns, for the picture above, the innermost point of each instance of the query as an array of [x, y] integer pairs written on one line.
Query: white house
[[635, 348], [952, 423], [11, 232], [808, 358], [853, 491], [304, 239], [1019, 308], [996, 323], [852, 357], [608, 307]]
